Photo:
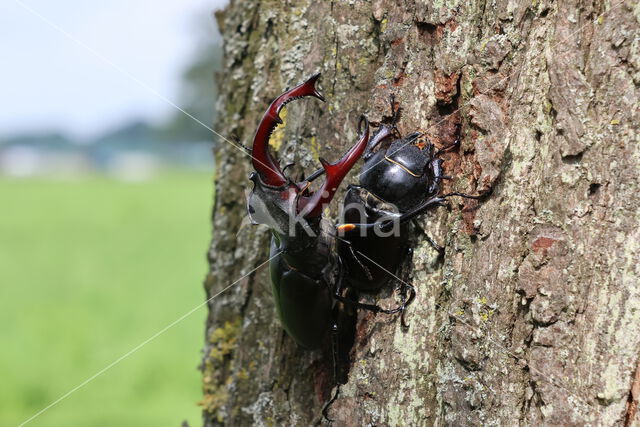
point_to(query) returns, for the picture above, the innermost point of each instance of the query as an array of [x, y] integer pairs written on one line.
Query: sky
[[49, 82]]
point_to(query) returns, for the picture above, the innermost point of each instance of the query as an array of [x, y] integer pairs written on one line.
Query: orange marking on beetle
[[403, 167], [421, 142], [346, 227]]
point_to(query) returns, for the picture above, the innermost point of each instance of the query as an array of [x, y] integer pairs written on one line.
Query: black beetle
[[300, 249], [399, 181]]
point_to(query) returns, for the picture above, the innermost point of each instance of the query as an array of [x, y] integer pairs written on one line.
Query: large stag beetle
[[300, 250]]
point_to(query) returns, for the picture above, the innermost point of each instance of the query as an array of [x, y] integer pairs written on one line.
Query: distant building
[[133, 152]]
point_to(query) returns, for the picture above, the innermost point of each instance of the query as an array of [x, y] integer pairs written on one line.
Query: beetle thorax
[[399, 174]]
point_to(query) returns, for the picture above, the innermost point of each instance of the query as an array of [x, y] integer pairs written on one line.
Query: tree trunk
[[533, 314]]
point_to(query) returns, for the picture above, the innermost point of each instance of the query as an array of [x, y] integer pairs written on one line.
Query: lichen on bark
[[532, 316]]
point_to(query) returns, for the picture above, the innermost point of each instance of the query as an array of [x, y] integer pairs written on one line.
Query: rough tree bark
[[533, 315]]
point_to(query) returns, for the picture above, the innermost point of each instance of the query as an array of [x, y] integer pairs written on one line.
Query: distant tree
[[198, 91]]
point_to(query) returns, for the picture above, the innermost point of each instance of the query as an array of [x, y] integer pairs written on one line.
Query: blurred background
[[105, 195]]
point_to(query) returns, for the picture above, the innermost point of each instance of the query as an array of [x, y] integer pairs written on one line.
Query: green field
[[89, 269]]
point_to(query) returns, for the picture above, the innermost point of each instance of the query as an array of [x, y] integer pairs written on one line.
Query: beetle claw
[[325, 410], [272, 175], [268, 169]]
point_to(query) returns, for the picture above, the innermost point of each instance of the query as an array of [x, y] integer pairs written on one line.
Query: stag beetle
[[399, 181], [300, 249]]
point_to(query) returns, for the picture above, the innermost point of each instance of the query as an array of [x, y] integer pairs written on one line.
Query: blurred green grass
[[88, 270]]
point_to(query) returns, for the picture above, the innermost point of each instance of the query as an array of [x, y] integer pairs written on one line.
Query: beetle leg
[[432, 242], [373, 307], [436, 169], [434, 201], [357, 259], [382, 133], [377, 309], [335, 357], [284, 169], [395, 114], [342, 339], [403, 292], [325, 410]]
